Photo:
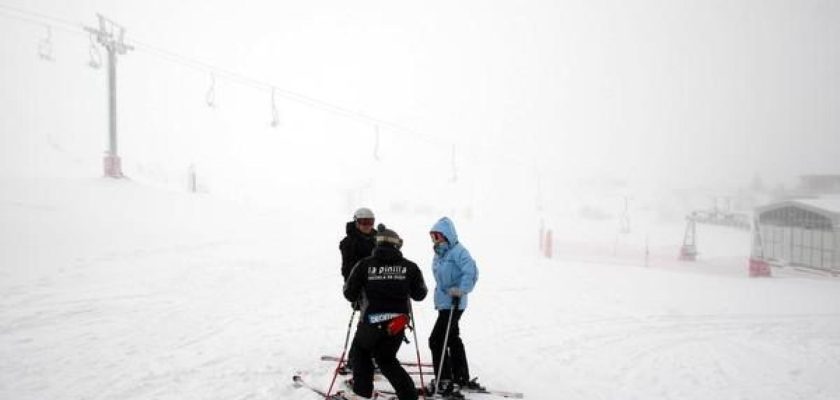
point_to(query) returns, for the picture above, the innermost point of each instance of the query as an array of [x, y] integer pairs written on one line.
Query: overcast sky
[[654, 90]]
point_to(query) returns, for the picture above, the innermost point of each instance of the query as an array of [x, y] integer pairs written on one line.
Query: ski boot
[[445, 390], [472, 385]]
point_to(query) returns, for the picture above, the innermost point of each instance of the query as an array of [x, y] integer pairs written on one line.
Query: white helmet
[[363, 212]]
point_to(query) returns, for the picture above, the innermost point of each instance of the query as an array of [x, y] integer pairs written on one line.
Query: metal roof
[[830, 204], [828, 207]]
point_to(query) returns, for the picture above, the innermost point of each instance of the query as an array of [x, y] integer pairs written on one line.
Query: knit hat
[[389, 237]]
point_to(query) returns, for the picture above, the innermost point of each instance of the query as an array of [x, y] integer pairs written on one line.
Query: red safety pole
[[343, 352]]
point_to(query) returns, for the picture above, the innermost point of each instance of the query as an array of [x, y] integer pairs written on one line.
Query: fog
[[249, 132], [451, 103]]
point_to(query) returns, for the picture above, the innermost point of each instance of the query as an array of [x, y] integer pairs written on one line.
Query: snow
[[120, 289]]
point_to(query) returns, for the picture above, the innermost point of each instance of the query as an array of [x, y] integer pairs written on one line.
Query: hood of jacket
[[447, 228]]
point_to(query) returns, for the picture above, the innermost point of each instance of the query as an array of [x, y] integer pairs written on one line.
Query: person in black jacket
[[383, 285], [359, 241], [356, 245]]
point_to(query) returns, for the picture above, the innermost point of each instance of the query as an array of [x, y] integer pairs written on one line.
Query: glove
[[455, 292]]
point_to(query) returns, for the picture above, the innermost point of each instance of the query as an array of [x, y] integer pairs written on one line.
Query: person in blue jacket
[[455, 277]]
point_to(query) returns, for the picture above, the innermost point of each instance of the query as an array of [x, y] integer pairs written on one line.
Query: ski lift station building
[[803, 233]]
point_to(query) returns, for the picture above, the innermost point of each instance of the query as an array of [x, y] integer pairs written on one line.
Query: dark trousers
[[373, 341], [455, 359]]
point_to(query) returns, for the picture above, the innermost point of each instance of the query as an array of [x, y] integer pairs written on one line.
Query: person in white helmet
[[359, 241], [356, 245]]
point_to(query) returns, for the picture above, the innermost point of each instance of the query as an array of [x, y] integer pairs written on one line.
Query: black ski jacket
[[354, 247], [384, 282]]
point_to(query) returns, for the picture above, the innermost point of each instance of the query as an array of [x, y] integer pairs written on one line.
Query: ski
[[343, 371], [347, 372], [299, 382], [499, 393], [403, 363]]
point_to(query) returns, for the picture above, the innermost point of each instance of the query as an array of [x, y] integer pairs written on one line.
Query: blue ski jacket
[[452, 267]]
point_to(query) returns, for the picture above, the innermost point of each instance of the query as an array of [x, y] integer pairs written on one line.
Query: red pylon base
[[112, 166], [759, 268]]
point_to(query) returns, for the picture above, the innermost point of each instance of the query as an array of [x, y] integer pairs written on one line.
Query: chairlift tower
[[625, 217], [688, 251], [110, 35]]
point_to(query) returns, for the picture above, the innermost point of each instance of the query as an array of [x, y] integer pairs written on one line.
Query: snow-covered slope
[[115, 289]]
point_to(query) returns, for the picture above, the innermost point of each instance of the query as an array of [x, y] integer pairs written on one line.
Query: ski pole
[[343, 352], [455, 302], [416, 345]]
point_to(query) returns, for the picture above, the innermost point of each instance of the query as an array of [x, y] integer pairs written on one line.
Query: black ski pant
[[455, 358], [373, 341]]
